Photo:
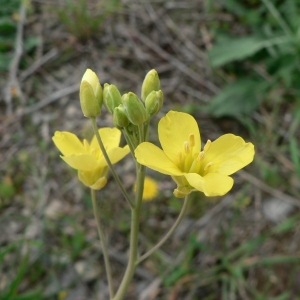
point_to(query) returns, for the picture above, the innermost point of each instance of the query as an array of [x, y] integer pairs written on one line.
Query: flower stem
[[169, 233], [116, 177], [135, 223], [129, 142], [103, 244]]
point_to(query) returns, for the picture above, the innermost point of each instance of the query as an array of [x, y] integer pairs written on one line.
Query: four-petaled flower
[[192, 169], [150, 189], [87, 157]]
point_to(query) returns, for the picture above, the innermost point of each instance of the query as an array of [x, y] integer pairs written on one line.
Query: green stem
[[146, 130], [103, 244], [141, 133], [129, 142], [169, 233], [116, 177], [135, 223]]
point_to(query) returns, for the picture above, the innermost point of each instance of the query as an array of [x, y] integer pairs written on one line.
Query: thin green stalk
[[284, 26], [146, 130], [169, 233], [116, 177], [128, 141], [103, 244], [135, 223], [141, 133]]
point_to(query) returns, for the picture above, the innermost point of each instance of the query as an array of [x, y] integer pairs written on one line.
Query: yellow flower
[[192, 169], [87, 157], [150, 189]]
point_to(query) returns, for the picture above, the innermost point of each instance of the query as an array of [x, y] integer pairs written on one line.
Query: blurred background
[[234, 65]]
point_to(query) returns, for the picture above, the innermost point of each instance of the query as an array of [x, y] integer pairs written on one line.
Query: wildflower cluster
[[130, 114], [180, 156]]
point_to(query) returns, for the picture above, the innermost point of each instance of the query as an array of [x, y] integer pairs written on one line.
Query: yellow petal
[[84, 162], [150, 189], [229, 153], [114, 155], [110, 138], [217, 184], [91, 78], [68, 143], [95, 180], [99, 184], [174, 129], [212, 184], [154, 158], [195, 180]]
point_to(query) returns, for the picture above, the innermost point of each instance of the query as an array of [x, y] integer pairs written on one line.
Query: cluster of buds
[[127, 109]]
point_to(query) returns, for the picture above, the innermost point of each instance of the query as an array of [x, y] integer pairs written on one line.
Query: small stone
[[86, 270], [54, 209], [277, 210]]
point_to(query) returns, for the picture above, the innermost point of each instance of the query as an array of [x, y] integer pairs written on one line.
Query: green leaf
[[12, 288], [35, 294], [237, 99], [7, 26], [235, 49], [4, 64], [294, 149], [286, 225], [31, 42]]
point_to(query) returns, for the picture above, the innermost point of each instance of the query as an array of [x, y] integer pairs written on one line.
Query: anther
[[207, 145], [208, 165], [186, 147], [86, 144], [192, 140], [200, 156]]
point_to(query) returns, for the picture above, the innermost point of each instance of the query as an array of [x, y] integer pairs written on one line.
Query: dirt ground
[[242, 246]]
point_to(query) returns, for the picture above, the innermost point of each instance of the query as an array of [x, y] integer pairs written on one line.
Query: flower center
[[94, 151], [192, 162]]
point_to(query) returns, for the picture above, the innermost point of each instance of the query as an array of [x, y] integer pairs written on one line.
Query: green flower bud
[[134, 109], [112, 97], [90, 94], [120, 118], [150, 83], [154, 102]]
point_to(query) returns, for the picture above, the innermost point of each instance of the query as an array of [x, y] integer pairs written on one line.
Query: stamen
[[207, 145], [200, 155], [180, 156], [186, 147], [195, 167], [86, 144], [208, 165], [192, 140], [180, 160]]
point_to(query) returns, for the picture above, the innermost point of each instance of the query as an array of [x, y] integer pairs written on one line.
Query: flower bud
[[90, 94], [154, 102], [134, 109], [120, 118], [150, 83], [112, 97]]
